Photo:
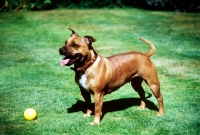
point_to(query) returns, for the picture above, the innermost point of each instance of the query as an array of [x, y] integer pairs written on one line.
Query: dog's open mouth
[[69, 60]]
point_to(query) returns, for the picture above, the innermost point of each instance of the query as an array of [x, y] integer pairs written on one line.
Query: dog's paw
[[160, 113], [86, 115], [141, 107], [94, 123]]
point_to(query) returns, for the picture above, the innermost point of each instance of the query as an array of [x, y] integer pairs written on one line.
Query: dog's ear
[[73, 32], [89, 39]]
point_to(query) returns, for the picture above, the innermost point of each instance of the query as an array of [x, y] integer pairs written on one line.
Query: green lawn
[[31, 75]]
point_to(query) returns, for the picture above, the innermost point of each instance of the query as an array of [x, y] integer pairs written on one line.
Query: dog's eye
[[75, 45]]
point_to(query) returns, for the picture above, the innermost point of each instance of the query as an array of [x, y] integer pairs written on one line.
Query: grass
[[30, 75]]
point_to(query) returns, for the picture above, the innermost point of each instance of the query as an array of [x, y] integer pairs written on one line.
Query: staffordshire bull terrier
[[99, 75]]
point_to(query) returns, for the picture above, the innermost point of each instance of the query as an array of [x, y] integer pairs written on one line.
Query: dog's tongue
[[64, 62]]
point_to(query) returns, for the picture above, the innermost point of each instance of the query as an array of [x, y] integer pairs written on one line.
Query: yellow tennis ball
[[30, 114]]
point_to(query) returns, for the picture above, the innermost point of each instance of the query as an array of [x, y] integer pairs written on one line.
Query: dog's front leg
[[98, 97], [87, 99]]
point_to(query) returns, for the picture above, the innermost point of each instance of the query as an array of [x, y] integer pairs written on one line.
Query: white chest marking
[[82, 82], [83, 79]]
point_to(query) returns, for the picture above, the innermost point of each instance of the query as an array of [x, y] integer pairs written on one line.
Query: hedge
[[171, 5]]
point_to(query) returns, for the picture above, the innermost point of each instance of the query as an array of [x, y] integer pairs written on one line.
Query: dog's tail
[[153, 49]]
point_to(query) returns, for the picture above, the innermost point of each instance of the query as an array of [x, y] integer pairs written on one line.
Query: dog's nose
[[62, 51]]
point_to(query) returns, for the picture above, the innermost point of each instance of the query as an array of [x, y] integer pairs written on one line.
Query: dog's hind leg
[[137, 86], [154, 84]]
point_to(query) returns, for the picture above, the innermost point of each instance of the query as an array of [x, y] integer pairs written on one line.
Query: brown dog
[[99, 75]]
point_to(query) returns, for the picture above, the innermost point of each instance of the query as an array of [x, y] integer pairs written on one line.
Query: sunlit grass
[[30, 75]]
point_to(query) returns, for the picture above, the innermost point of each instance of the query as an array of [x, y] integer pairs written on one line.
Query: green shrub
[[173, 5]]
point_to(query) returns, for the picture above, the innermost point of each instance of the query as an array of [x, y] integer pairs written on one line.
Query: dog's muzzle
[[62, 51], [69, 59]]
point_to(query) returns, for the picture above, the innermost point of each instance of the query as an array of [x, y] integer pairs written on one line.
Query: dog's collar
[[87, 65]]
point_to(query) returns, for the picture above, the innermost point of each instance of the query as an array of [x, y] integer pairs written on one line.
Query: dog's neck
[[89, 60]]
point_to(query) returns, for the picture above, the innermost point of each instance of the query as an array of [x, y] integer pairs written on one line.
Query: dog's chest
[[82, 82]]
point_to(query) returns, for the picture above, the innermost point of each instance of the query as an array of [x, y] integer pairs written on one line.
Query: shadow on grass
[[112, 106]]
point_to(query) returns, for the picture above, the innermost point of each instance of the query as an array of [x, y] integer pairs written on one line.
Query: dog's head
[[76, 48]]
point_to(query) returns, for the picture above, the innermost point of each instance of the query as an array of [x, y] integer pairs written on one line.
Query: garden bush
[[171, 5]]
